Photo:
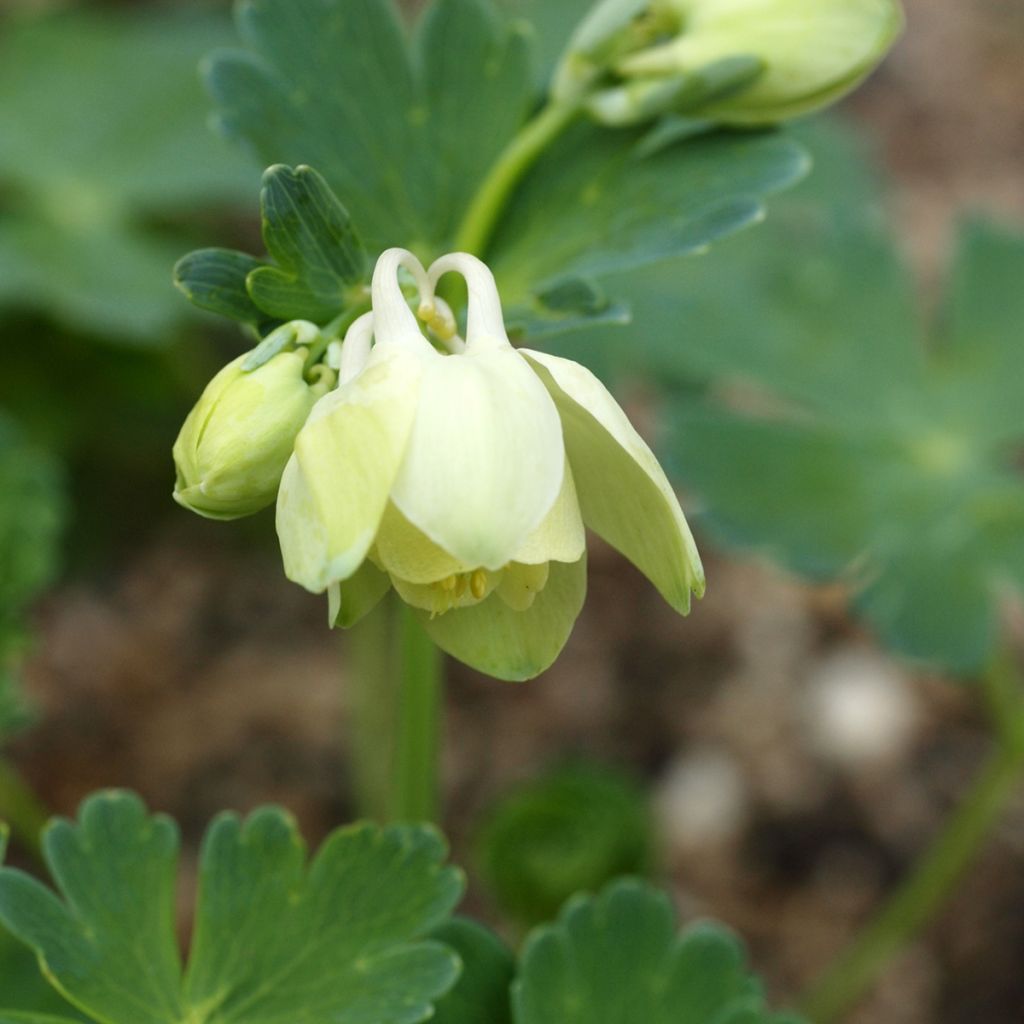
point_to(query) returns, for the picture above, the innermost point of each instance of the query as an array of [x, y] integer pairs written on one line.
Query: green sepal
[[320, 260], [214, 280]]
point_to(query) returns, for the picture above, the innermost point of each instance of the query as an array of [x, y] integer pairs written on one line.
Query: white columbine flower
[[464, 480]]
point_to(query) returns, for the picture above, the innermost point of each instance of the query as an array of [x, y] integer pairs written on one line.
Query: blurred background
[[793, 768]]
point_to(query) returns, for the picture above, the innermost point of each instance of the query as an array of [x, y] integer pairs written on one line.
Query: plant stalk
[[478, 224], [920, 897], [397, 692]]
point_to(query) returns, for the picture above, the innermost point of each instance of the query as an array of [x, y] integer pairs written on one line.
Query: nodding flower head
[[462, 473]]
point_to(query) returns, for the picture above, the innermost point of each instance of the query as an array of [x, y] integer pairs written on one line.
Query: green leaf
[[481, 995], [307, 231], [215, 280], [616, 959], [836, 441], [102, 124], [403, 130], [338, 940], [571, 830], [596, 204]]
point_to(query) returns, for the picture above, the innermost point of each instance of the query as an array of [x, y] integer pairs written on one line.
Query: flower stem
[[921, 895], [21, 809], [417, 787], [397, 689], [477, 227]]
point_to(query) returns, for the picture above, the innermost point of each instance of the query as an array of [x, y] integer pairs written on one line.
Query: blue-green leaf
[[482, 993], [215, 280], [338, 941], [616, 959]]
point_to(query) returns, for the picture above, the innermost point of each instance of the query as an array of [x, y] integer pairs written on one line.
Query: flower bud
[[235, 443], [812, 52]]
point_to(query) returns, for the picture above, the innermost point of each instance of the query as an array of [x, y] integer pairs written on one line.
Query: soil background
[[796, 771]]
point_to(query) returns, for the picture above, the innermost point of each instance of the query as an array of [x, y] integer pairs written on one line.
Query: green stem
[[396, 690], [478, 225], [372, 694], [920, 897], [21, 809], [417, 786]]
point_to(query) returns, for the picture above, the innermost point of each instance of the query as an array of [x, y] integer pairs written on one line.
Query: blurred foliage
[[616, 958], [406, 128], [103, 149], [808, 412], [481, 995], [32, 511], [571, 830]]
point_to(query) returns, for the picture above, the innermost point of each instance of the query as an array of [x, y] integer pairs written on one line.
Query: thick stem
[[21, 809], [522, 152], [921, 895], [373, 667], [396, 688], [417, 784]]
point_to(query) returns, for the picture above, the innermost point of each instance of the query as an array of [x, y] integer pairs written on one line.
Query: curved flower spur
[[464, 478]]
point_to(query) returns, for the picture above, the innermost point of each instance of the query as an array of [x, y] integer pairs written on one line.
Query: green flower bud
[[235, 443], [813, 52]]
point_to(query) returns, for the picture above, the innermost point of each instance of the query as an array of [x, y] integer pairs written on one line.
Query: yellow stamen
[[478, 584], [449, 583]]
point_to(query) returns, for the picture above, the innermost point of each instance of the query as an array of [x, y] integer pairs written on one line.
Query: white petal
[[485, 460], [623, 491], [335, 487], [561, 537]]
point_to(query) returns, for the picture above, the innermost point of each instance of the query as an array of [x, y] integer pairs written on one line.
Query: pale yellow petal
[[623, 491], [561, 537], [485, 458], [335, 487]]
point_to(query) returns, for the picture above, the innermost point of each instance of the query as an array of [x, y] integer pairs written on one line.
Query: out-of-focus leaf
[[338, 941], [32, 510], [101, 130], [571, 830], [595, 204], [481, 995], [405, 132], [616, 959], [838, 442], [402, 131]]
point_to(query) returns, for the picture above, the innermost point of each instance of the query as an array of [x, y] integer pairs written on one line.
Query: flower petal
[[623, 491], [493, 638], [354, 598], [407, 552], [335, 486], [561, 537], [485, 459]]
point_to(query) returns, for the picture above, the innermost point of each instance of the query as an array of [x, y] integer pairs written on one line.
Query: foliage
[[361, 935], [833, 439], [573, 829], [616, 959], [31, 518], [404, 129], [103, 145], [342, 938]]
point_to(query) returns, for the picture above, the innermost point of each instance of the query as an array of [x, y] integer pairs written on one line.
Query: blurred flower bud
[[813, 52], [235, 443], [744, 62]]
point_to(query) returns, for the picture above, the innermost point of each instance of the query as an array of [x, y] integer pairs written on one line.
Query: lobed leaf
[[615, 958], [341, 938]]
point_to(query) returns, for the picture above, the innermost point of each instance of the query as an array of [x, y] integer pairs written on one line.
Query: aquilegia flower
[[464, 480]]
